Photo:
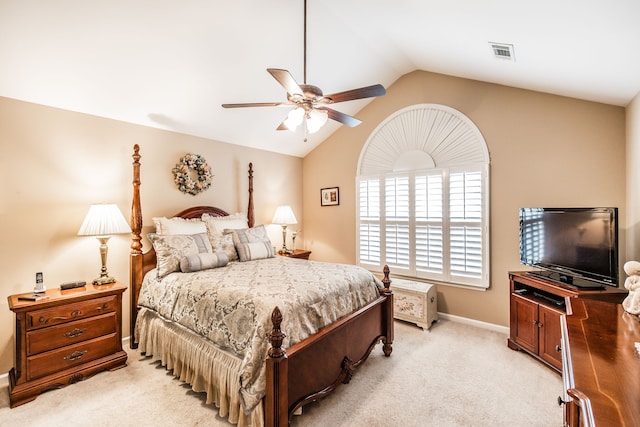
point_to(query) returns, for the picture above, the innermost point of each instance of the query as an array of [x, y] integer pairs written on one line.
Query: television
[[574, 246]]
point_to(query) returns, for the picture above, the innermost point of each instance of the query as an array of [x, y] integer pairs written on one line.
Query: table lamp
[[103, 221], [284, 216]]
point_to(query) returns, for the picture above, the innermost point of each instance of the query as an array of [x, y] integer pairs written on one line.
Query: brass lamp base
[[103, 280], [284, 250]]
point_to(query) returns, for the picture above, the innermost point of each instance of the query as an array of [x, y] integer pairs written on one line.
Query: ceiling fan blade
[[360, 93], [254, 104], [286, 80], [345, 119]]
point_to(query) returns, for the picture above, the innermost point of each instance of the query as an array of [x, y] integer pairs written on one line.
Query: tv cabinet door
[[524, 322], [550, 336]]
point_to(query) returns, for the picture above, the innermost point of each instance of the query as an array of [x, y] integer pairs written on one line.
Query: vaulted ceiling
[[171, 64]]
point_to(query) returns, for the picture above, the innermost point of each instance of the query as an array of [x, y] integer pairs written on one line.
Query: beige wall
[[56, 163], [633, 179], [545, 150]]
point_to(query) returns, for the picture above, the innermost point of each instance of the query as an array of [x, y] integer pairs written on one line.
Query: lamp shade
[[104, 220], [284, 216]]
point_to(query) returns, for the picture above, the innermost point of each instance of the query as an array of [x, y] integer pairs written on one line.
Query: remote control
[[72, 285]]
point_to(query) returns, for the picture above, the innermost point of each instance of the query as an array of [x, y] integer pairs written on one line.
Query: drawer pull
[[104, 307], [75, 355], [75, 332], [74, 313]]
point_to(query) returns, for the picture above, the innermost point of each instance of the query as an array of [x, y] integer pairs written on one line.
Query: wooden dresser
[[65, 338], [601, 372], [585, 335]]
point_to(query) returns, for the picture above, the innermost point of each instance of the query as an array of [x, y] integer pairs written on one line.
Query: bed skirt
[[198, 362]]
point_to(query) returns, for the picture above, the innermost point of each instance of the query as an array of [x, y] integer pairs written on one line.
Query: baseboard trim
[[473, 322]]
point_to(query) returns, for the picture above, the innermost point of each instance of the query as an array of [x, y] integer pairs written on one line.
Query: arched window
[[423, 189]]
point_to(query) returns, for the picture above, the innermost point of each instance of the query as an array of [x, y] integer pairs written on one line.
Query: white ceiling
[[170, 63]]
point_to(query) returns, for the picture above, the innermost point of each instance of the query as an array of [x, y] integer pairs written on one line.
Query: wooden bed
[[307, 370]]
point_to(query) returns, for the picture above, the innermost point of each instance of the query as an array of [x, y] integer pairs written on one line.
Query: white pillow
[[177, 225], [217, 224]]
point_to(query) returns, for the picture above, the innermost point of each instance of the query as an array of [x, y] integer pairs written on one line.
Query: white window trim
[[389, 145]]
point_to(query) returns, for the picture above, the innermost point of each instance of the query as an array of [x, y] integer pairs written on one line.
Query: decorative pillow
[[203, 261], [171, 248], [253, 243], [224, 243], [217, 224], [177, 225]]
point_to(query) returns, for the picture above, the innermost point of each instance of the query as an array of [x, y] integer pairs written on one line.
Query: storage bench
[[415, 302]]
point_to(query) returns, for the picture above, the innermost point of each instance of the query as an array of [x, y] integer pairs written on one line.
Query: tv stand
[[567, 279], [537, 303]]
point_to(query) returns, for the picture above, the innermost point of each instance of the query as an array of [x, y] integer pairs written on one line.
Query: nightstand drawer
[[68, 312], [54, 337], [73, 355]]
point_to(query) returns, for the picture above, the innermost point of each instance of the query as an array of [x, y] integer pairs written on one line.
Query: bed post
[[135, 257], [388, 309], [276, 411], [250, 214]]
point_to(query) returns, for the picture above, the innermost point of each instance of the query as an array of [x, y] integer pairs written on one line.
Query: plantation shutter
[[429, 226], [465, 213], [423, 190], [369, 219], [397, 241]]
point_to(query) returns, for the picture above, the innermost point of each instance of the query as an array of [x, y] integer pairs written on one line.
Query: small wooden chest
[[415, 302]]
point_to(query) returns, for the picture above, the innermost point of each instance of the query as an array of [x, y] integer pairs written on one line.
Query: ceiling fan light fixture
[[309, 103], [294, 118], [315, 120]]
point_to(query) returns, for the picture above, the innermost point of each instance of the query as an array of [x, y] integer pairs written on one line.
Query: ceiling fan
[[309, 104]]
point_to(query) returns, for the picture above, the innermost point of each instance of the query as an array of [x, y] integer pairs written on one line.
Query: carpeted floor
[[453, 375]]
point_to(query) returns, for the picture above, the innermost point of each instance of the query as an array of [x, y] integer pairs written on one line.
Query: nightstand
[[298, 253], [65, 338]]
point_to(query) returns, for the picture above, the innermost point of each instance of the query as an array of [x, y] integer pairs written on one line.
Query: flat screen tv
[[574, 246]]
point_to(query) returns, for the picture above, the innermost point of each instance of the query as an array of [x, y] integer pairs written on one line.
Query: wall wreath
[[192, 174]]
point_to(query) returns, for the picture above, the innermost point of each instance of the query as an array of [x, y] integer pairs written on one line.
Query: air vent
[[503, 51]]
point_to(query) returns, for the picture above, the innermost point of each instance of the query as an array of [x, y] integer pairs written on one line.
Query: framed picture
[[329, 196]]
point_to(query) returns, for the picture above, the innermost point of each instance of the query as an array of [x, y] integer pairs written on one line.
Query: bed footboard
[[314, 367]]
